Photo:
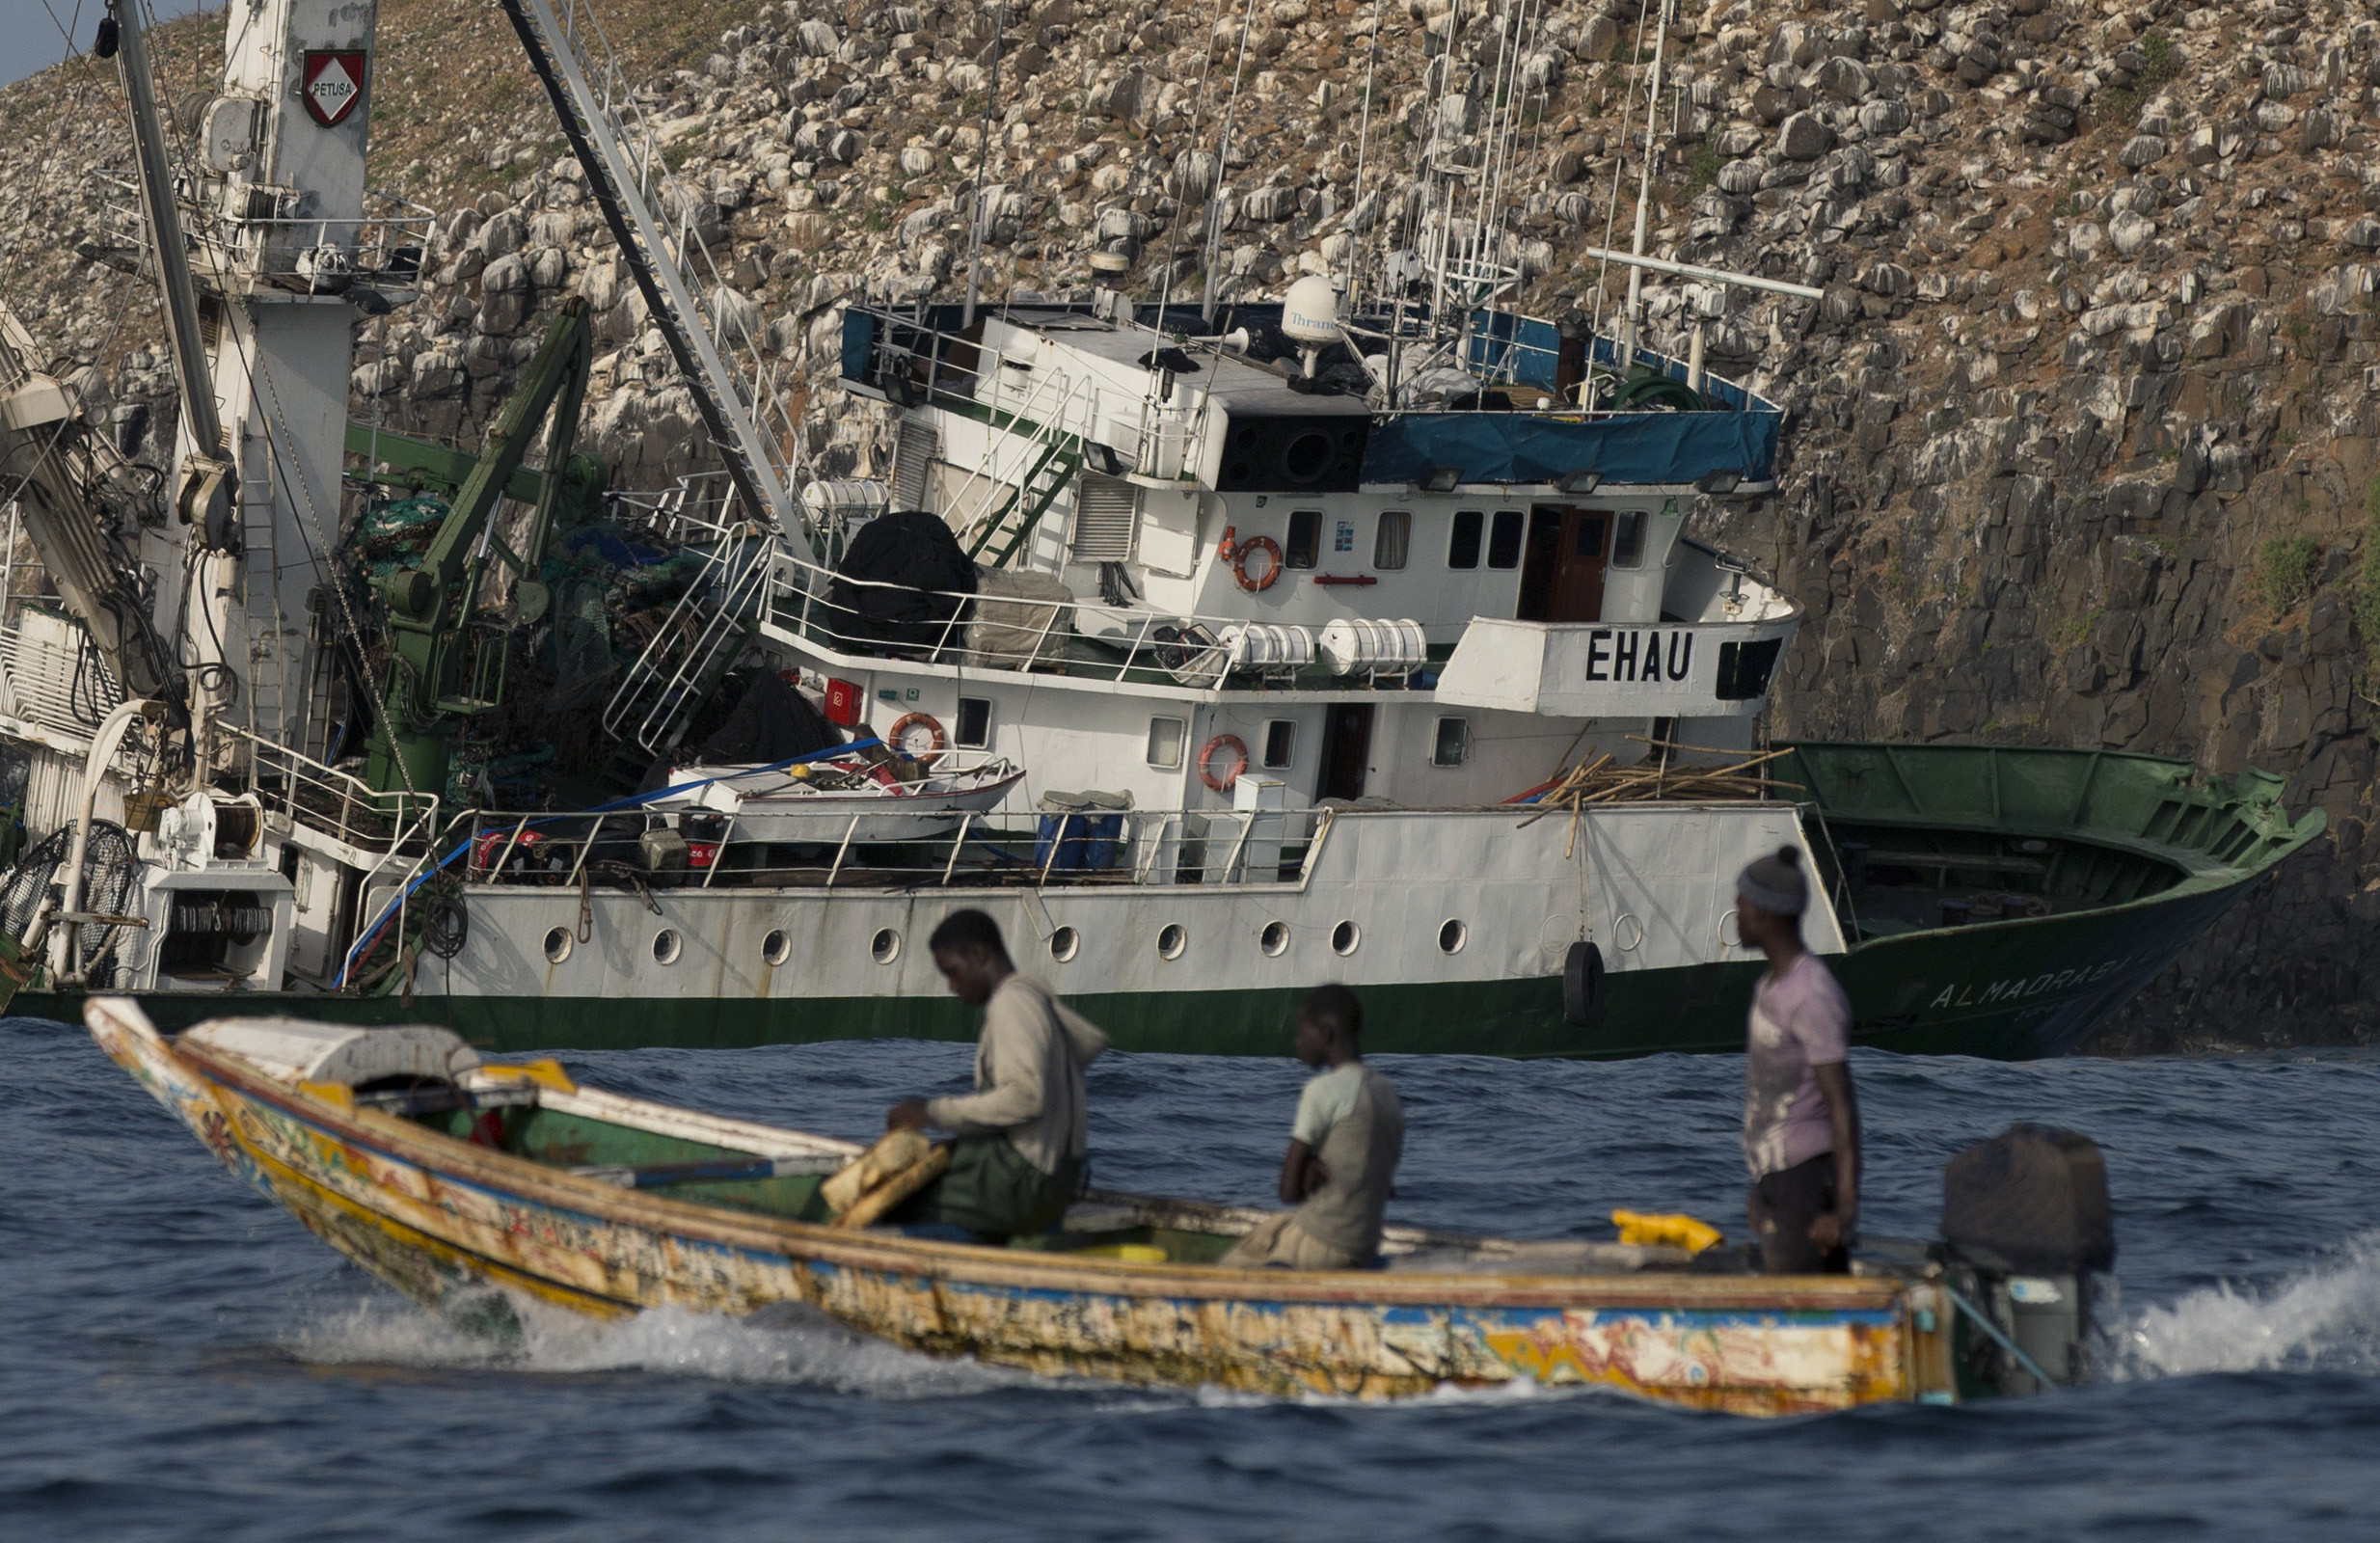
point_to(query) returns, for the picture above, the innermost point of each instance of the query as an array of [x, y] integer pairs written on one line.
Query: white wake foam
[[2322, 1318], [801, 1351]]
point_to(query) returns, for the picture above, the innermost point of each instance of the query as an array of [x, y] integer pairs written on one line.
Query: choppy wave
[[172, 1347], [774, 1348], [2323, 1319]]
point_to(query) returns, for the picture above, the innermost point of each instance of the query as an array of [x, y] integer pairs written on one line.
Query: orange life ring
[[902, 726], [1272, 571], [1239, 760]]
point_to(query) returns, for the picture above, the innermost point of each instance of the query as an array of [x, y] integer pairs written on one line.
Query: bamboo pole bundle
[[1603, 781]]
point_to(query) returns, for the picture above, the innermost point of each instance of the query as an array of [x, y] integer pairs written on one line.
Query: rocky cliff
[[2086, 438]]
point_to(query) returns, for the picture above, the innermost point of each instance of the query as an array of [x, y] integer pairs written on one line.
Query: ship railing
[[335, 803], [51, 676], [658, 694], [1090, 640], [890, 848], [379, 250], [909, 356], [912, 359]]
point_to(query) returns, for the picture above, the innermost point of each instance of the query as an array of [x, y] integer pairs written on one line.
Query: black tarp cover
[[916, 551], [770, 722]]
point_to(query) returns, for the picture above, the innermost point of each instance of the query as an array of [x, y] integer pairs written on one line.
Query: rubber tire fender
[[1583, 985]]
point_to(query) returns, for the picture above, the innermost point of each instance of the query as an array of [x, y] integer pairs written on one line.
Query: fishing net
[[396, 533], [108, 873], [582, 663]]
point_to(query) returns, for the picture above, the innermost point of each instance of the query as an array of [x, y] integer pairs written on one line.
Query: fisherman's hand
[[910, 1114], [1830, 1229]]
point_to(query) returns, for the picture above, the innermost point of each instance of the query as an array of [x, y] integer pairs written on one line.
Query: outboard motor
[[2027, 1215]]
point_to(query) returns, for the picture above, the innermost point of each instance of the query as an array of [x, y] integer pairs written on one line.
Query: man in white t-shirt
[[1340, 1168], [1800, 1118]]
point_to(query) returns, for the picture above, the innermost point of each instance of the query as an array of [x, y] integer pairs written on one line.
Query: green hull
[[2143, 856]]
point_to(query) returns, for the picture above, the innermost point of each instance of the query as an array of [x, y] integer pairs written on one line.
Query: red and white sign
[[333, 83]]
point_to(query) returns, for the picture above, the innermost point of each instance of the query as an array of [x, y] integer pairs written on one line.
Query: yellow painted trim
[[337, 1095], [546, 1073], [436, 1248]]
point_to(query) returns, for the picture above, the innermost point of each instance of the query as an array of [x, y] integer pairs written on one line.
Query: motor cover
[[2031, 1201]]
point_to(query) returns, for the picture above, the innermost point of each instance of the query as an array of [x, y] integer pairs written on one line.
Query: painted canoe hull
[[2006, 990], [442, 1221]]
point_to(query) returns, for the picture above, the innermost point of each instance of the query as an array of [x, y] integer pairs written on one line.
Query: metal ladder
[[261, 605], [729, 369], [1055, 454], [1028, 499], [695, 647]]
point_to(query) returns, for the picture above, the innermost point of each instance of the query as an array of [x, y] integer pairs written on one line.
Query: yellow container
[[1129, 1253], [1677, 1230]]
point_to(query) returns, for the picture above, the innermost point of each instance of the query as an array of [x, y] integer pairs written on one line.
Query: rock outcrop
[[2086, 428]]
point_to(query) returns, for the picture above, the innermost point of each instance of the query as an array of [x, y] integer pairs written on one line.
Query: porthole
[[1065, 943], [1345, 937], [776, 948], [1273, 939], [885, 946], [1172, 940], [557, 944], [667, 945], [1452, 937], [1627, 932], [1730, 929]]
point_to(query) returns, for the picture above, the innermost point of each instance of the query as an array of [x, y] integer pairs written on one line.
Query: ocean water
[[178, 1359]]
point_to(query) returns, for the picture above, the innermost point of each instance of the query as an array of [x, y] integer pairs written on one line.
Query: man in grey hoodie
[[1022, 1134]]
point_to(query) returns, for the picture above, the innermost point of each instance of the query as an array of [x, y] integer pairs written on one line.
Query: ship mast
[[264, 249], [1630, 322], [201, 478]]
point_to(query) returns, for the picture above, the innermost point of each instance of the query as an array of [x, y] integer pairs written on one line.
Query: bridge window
[[1452, 746], [1463, 550], [1627, 540], [1744, 668], [1165, 742], [1505, 540], [974, 723], [1305, 539], [1395, 534], [1280, 742]]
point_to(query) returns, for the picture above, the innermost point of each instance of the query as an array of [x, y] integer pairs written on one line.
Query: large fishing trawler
[[1214, 647]]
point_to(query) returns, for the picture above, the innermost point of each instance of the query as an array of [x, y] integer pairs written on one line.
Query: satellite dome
[[1309, 311]]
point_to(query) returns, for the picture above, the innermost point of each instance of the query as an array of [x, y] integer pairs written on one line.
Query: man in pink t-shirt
[[1801, 1119]]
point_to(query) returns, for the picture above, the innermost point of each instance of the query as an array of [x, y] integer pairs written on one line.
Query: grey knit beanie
[[1775, 884]]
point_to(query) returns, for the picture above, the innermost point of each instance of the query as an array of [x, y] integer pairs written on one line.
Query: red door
[[1561, 578]]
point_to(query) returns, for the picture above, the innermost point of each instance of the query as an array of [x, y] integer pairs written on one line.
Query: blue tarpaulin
[[1626, 447], [1530, 349]]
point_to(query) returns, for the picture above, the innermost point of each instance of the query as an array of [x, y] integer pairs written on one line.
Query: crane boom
[[73, 490], [435, 677]]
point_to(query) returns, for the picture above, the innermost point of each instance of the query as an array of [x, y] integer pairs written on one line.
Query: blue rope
[[2000, 1339]]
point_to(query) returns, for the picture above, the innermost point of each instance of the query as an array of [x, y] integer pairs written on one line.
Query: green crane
[[445, 658]]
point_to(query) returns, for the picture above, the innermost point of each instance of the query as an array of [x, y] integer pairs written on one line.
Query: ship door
[[1561, 578], [1347, 749]]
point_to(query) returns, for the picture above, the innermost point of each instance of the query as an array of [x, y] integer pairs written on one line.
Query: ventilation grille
[[912, 454], [1107, 512]]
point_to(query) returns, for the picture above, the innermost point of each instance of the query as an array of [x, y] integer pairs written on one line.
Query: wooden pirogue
[[441, 1173]]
